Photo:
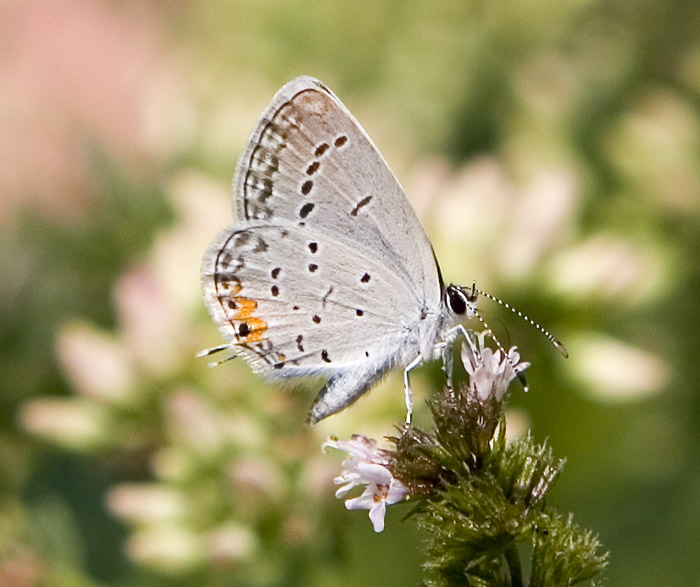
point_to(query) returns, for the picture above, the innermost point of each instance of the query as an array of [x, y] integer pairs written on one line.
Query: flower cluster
[[370, 466], [489, 373], [392, 476], [476, 496]]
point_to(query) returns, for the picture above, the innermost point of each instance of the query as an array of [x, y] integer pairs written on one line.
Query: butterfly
[[327, 270]]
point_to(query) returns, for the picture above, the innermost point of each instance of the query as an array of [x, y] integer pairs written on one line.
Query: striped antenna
[[559, 346]]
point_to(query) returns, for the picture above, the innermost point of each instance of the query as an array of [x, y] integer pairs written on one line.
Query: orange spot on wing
[[244, 308], [229, 287], [239, 313], [257, 329]]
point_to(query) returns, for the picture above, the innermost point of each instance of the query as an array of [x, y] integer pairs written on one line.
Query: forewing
[[309, 162]]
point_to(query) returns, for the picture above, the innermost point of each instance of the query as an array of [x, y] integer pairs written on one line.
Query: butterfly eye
[[456, 300]]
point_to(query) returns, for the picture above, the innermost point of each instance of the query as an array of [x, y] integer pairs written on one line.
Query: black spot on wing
[[306, 187], [306, 209], [321, 149], [363, 202]]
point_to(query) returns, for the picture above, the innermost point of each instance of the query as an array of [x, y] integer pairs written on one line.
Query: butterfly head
[[462, 301]]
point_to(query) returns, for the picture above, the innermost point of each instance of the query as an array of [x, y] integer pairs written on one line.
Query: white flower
[[489, 372], [367, 465]]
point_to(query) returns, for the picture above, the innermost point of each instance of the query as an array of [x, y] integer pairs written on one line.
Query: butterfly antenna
[[517, 372], [558, 345]]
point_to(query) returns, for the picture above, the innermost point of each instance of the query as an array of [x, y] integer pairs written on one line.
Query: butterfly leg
[[454, 332], [443, 349], [407, 389]]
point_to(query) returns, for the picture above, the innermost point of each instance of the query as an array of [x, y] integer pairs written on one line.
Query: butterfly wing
[[327, 269], [297, 303], [309, 161]]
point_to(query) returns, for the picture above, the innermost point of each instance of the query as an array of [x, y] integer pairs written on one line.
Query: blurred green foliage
[[122, 123]]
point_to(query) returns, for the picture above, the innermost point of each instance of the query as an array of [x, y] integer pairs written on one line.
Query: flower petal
[[376, 515]]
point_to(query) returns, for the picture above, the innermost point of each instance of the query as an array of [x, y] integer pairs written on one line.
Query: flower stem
[[513, 560]]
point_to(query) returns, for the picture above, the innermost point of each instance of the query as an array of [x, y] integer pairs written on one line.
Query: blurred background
[[552, 150]]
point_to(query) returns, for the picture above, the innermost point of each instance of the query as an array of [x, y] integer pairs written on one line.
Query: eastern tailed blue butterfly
[[327, 270]]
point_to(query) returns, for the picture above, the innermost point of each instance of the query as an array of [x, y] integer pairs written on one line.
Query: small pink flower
[[367, 465], [489, 372]]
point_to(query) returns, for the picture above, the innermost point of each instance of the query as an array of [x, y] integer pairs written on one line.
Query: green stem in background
[[512, 557]]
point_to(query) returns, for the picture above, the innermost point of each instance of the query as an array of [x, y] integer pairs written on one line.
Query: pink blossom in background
[[79, 77]]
